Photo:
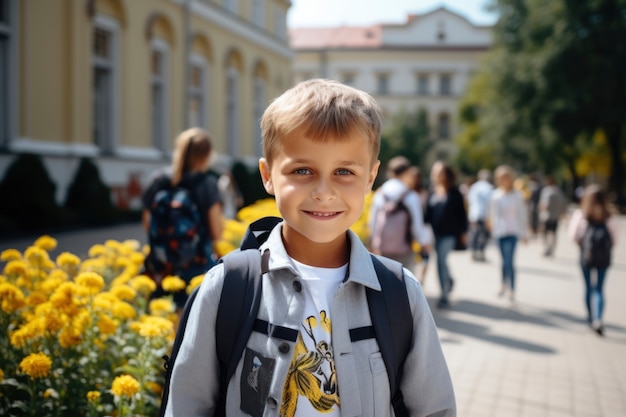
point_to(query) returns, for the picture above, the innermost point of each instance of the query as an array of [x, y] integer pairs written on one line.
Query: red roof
[[333, 37]]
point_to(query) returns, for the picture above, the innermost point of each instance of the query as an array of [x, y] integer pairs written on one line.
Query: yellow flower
[[152, 326], [1, 375], [10, 255], [15, 268], [143, 284], [123, 292], [97, 250], [106, 325], [123, 310], [125, 386], [36, 365], [68, 260], [104, 301], [137, 258], [36, 256], [195, 282], [161, 306], [69, 337], [12, 297], [173, 284], [93, 396], [36, 298], [90, 280], [46, 242]]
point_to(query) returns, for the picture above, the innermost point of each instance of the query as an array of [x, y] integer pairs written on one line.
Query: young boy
[[320, 141]]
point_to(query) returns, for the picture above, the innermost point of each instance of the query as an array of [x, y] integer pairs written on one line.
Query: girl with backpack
[[182, 213], [594, 229]]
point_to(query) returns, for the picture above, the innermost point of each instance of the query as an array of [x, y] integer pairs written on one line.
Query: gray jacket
[[362, 378]]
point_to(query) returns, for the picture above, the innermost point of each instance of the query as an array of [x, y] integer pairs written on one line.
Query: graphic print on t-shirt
[[312, 372], [311, 384]]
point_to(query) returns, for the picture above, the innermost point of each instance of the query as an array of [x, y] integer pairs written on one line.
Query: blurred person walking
[[508, 221], [594, 229], [534, 186], [446, 214], [478, 198], [552, 205], [396, 217], [182, 213], [424, 252]]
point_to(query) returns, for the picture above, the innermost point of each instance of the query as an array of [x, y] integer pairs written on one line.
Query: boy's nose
[[322, 191]]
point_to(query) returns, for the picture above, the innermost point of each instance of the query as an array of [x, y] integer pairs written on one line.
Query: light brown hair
[[595, 204], [193, 147], [321, 110]]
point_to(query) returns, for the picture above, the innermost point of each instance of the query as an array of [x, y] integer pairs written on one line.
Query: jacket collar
[[360, 267]]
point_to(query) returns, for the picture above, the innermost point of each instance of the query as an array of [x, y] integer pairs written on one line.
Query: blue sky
[[319, 13]]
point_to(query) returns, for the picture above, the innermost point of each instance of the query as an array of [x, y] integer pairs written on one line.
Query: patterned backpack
[[177, 235]]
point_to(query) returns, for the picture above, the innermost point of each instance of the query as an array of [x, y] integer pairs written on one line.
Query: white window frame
[[260, 91], [108, 144], [258, 13], [159, 119], [232, 111], [9, 96], [200, 92]]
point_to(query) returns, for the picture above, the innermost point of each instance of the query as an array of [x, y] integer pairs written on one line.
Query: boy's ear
[[373, 174], [264, 169]]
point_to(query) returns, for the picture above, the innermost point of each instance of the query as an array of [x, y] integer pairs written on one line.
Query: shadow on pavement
[[482, 332], [546, 273]]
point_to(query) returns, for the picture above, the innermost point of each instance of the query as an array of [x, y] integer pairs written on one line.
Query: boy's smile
[[320, 189]]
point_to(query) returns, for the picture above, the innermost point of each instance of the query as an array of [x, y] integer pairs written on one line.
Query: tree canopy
[[553, 80]]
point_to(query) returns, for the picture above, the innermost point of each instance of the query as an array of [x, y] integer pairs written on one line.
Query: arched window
[[8, 70], [105, 63], [159, 71], [232, 103]]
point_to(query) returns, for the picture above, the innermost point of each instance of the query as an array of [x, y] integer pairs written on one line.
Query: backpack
[[177, 234], [595, 246], [390, 312], [392, 229]]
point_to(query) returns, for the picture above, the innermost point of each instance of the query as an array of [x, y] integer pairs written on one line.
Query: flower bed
[[82, 336]]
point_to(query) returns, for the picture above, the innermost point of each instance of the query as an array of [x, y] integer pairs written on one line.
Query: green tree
[[407, 135], [556, 74]]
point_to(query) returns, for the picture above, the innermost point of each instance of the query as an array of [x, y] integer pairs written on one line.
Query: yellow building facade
[[117, 80]]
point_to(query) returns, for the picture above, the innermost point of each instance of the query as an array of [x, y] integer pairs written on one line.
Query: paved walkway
[[533, 358]]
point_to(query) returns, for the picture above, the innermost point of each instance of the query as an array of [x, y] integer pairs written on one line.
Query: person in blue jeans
[[508, 222], [594, 210], [445, 212]]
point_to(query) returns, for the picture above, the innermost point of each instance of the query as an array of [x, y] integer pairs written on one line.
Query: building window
[[105, 69], [231, 5], [444, 126], [445, 85], [383, 83], [232, 92], [348, 79], [197, 88], [280, 23], [422, 85], [259, 108], [7, 44], [158, 84], [258, 13]]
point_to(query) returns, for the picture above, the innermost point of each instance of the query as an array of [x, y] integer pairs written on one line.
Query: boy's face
[[320, 189]]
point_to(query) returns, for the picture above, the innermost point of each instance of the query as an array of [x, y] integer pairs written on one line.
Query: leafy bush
[[88, 197], [29, 196]]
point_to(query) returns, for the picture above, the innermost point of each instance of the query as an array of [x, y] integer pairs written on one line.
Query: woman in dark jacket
[[445, 212]]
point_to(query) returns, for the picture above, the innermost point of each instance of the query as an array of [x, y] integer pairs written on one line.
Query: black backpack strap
[[237, 312], [258, 231], [392, 325]]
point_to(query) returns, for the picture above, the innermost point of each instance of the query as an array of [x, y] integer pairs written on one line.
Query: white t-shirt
[[313, 359]]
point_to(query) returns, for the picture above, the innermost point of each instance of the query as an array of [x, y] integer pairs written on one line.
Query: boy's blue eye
[[302, 171], [343, 171]]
